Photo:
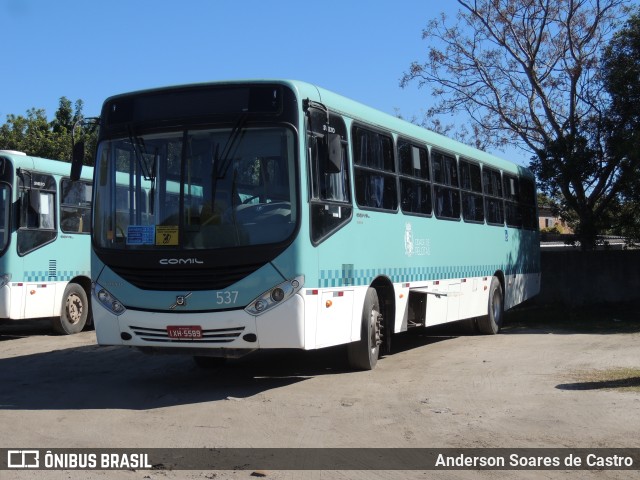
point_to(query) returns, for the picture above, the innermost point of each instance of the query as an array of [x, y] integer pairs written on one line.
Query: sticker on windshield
[[167, 235], [140, 234]]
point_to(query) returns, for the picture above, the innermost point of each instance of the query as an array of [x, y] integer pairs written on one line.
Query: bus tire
[[491, 323], [74, 311], [363, 354]]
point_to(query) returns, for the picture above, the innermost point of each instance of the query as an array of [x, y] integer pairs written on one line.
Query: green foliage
[[35, 135], [621, 74]]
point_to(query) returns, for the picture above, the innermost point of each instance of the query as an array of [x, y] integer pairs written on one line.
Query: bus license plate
[[185, 332]]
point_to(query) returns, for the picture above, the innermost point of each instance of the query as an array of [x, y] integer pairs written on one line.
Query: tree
[[527, 72], [621, 76], [35, 135]]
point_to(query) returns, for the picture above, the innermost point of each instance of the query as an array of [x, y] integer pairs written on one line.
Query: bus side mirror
[[334, 154], [76, 161]]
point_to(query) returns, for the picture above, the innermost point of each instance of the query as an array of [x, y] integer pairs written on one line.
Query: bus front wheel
[[491, 323], [363, 354], [74, 311]]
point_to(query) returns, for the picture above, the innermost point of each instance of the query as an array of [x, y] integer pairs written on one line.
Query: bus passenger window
[[527, 202], [375, 182], [415, 188], [492, 187], [512, 211], [472, 202], [75, 206], [447, 195]]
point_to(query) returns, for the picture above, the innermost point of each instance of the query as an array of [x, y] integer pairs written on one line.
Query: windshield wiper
[[138, 144], [222, 161], [148, 173]]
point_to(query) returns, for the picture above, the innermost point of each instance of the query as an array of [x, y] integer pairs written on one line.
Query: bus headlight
[[5, 278], [110, 302], [275, 296]]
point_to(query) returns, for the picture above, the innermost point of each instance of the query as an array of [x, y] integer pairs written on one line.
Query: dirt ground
[[521, 388]]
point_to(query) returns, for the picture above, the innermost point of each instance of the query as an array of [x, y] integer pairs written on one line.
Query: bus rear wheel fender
[[74, 311]]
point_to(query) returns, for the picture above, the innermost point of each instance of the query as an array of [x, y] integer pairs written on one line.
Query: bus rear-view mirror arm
[[76, 161]]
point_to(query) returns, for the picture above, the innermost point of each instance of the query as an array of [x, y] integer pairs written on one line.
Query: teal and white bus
[[277, 214], [45, 242]]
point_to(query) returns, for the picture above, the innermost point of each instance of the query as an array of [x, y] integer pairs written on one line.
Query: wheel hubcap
[[376, 337], [74, 308]]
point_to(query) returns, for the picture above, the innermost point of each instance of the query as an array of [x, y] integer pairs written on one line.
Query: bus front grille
[[191, 279], [216, 335]]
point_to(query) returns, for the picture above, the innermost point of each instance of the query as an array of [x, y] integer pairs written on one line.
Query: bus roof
[[365, 114], [45, 165]]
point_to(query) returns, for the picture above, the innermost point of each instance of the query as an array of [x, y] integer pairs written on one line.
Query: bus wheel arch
[[75, 309], [491, 323]]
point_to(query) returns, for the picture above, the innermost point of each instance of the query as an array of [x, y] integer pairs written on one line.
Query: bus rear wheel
[[363, 354], [491, 323], [74, 311]]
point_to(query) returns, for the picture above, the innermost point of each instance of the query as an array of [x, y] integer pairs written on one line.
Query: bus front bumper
[[231, 330]]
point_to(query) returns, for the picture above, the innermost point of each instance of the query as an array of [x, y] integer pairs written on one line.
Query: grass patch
[[603, 319], [618, 379]]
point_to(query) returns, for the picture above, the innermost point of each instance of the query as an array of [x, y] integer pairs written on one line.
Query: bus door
[[37, 228], [331, 210]]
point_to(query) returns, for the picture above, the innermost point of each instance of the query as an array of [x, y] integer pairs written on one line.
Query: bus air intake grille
[[191, 279], [216, 335]]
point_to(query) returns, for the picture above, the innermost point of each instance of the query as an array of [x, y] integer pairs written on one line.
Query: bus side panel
[[334, 311], [521, 287], [39, 300]]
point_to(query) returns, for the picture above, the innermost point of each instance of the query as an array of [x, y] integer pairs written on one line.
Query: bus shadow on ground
[[94, 377], [604, 319], [617, 384], [11, 330]]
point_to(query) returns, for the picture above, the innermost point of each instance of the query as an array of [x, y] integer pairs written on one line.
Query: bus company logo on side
[[408, 240], [414, 245], [180, 261]]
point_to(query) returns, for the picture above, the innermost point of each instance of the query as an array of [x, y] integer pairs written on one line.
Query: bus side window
[[492, 187], [329, 181], [37, 225], [512, 210], [415, 188], [528, 203], [472, 202], [375, 182], [447, 193], [75, 206]]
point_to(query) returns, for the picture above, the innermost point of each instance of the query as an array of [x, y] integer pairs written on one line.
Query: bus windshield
[[5, 203], [196, 189]]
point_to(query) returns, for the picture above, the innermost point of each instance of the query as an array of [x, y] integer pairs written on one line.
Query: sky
[[92, 49]]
